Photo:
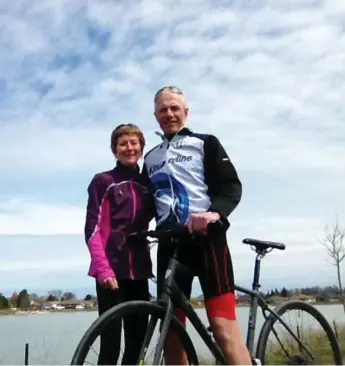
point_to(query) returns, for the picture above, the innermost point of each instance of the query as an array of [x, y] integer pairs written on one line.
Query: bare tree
[[334, 243], [69, 296], [14, 299], [56, 293]]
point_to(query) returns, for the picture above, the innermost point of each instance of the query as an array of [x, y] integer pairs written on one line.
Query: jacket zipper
[[133, 217]]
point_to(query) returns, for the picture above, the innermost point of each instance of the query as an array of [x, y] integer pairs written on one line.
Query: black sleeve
[[224, 186], [151, 207]]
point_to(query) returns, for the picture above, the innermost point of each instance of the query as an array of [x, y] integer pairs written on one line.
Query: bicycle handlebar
[[177, 231]]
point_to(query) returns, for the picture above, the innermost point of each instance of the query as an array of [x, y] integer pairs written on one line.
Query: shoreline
[[4, 312]]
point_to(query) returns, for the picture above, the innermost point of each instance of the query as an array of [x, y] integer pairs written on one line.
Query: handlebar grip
[[215, 227]]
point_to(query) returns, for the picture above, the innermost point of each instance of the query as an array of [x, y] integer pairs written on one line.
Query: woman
[[118, 204]]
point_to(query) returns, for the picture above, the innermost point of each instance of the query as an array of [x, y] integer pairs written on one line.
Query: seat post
[[256, 284], [260, 253]]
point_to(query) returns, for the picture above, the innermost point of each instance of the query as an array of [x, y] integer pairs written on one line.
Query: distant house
[[326, 296], [90, 304], [243, 300], [276, 300], [48, 305], [72, 303], [303, 297], [77, 304], [34, 305]]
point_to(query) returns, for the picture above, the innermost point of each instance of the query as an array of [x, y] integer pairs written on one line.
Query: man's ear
[[186, 111]]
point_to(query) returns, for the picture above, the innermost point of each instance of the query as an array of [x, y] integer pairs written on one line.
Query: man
[[195, 183]]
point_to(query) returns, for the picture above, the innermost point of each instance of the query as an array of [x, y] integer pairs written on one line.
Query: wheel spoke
[[303, 346], [156, 315]]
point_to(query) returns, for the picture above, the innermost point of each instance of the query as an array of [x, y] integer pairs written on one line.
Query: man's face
[[171, 112]]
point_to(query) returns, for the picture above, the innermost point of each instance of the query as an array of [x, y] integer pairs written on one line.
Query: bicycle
[[162, 309]]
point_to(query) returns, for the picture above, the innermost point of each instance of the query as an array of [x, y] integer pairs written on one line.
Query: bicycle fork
[[165, 299], [148, 335], [164, 328]]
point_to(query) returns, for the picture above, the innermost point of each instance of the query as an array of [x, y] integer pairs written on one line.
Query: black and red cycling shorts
[[210, 261]]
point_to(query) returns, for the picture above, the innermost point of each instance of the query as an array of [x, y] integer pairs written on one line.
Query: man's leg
[[217, 280], [226, 330], [173, 350]]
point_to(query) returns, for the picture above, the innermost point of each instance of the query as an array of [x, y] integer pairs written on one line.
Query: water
[[53, 337]]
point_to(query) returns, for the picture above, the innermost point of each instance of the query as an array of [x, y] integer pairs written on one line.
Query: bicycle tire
[[126, 309], [311, 310]]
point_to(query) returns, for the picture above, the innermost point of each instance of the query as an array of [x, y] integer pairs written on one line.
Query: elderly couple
[[187, 178]]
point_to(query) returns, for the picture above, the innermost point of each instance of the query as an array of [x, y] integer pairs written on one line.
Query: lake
[[53, 337]]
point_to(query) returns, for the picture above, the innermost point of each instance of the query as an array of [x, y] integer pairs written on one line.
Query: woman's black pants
[[134, 326]]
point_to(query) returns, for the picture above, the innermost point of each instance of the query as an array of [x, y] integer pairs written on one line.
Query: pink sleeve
[[98, 217]]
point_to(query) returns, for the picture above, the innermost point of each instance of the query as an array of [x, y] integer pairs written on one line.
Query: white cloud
[[47, 265], [30, 218], [267, 78]]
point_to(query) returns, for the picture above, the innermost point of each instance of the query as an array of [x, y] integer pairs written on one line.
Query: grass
[[6, 312], [316, 342]]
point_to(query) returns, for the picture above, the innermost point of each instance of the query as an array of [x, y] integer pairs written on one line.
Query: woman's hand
[[110, 282]]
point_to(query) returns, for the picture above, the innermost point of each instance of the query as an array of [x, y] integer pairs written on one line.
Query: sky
[[267, 78]]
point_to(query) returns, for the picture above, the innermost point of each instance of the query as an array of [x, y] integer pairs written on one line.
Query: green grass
[[316, 342], [6, 312]]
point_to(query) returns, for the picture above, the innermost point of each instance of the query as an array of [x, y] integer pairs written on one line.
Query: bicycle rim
[[130, 308], [318, 346]]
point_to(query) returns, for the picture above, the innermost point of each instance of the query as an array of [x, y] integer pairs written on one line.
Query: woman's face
[[128, 149]]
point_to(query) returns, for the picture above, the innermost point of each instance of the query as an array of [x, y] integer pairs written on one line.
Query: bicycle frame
[[172, 296], [258, 300]]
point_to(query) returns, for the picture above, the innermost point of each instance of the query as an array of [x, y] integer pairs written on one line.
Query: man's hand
[[198, 222], [111, 283]]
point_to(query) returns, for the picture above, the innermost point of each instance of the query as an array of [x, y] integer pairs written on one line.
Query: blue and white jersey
[[191, 173]]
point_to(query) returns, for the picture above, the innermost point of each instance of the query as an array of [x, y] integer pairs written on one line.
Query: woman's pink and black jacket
[[119, 203]]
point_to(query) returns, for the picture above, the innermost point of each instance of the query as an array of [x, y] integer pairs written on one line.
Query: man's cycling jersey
[[191, 173]]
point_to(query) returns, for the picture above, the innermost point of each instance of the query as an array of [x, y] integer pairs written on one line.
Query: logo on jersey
[[154, 168], [180, 159], [178, 144], [169, 192]]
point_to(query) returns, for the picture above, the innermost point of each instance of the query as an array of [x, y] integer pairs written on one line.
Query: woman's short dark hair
[[126, 129]]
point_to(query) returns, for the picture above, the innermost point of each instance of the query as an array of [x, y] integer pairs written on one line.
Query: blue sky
[[266, 78]]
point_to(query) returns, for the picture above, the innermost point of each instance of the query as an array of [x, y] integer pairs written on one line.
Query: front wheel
[[316, 345], [155, 315]]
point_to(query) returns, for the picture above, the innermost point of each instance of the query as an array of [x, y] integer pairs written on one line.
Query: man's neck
[[169, 136]]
